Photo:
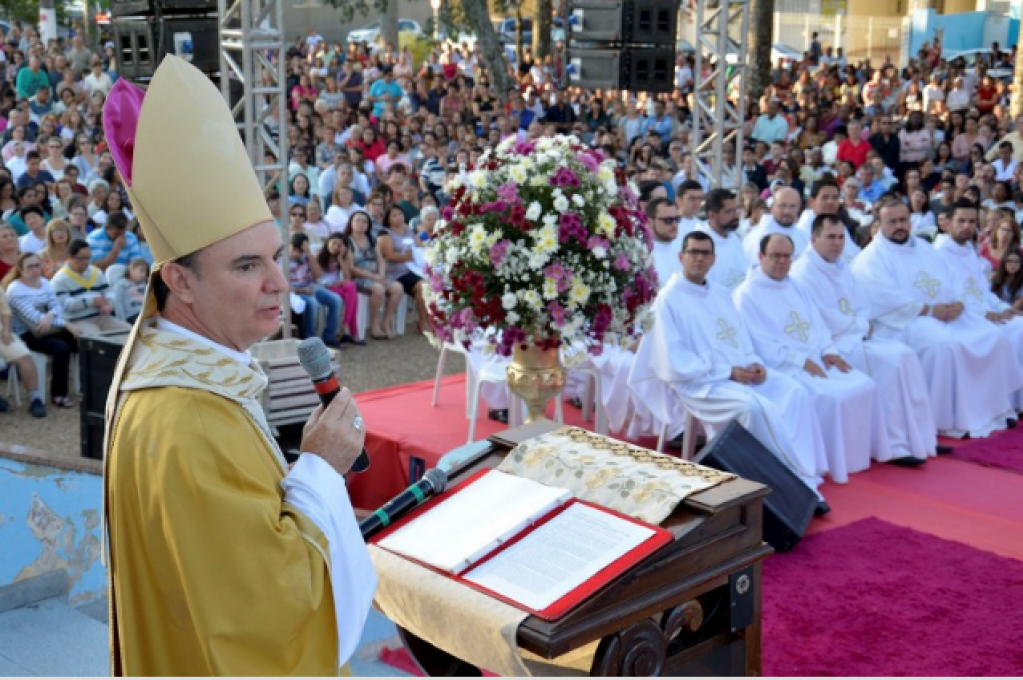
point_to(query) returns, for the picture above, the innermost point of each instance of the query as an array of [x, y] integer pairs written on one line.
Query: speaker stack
[[789, 508], [147, 30]]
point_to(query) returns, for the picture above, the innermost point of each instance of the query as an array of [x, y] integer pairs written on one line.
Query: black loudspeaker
[[135, 8], [635, 22], [789, 508], [142, 43], [636, 69], [97, 359]]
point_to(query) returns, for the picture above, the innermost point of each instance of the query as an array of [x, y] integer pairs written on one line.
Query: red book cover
[[573, 598]]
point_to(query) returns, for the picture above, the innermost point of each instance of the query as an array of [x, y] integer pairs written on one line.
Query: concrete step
[[50, 638]]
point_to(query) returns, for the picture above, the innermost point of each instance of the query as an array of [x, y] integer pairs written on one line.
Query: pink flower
[[622, 263], [509, 192], [563, 177], [562, 276], [570, 225], [587, 160], [498, 251], [557, 313]]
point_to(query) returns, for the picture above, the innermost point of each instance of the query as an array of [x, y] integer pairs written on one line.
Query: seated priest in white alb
[[663, 216], [689, 199], [825, 278], [698, 347], [971, 369], [970, 282], [782, 220], [792, 338], [824, 200], [722, 222]]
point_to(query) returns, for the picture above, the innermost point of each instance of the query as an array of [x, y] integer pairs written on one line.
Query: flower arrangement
[[542, 244]]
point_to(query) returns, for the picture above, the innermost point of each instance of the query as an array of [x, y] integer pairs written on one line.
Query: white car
[[370, 33], [971, 57]]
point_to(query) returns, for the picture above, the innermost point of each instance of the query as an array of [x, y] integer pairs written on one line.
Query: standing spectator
[[385, 93]]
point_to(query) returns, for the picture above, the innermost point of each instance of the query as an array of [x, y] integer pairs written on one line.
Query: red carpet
[[933, 589], [1002, 450], [929, 607]]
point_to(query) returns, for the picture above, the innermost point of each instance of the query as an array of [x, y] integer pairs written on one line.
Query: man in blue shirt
[[385, 91], [113, 244], [33, 174], [872, 188]]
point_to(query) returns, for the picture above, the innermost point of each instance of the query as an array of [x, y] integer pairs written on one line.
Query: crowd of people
[[375, 133]]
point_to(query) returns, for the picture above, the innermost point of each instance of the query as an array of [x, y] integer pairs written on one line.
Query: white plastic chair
[[469, 377], [593, 399], [115, 273], [41, 362], [362, 316], [688, 437]]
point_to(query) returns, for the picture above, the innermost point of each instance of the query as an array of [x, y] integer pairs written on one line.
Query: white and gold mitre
[[180, 156]]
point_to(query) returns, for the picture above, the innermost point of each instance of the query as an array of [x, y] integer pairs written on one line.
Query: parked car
[[370, 33], [970, 57], [505, 29]]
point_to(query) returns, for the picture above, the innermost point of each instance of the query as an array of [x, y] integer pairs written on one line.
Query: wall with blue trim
[[962, 31], [50, 521]]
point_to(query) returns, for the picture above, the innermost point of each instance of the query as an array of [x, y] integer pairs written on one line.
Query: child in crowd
[[130, 292]]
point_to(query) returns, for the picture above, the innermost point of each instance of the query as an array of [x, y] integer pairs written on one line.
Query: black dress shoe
[[907, 461], [822, 509], [1011, 422], [943, 450], [498, 414]]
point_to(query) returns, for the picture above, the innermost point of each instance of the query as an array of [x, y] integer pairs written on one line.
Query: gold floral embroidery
[[618, 475]]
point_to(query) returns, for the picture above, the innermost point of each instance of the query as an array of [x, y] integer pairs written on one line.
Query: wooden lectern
[[693, 608]]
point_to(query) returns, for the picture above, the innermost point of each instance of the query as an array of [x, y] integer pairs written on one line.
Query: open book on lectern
[[531, 545]]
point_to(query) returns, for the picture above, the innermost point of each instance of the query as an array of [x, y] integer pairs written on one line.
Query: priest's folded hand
[[331, 434], [759, 373], [835, 361], [743, 376], [813, 369]]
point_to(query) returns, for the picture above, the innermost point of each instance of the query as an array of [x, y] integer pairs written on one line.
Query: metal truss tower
[[721, 28], [253, 66]]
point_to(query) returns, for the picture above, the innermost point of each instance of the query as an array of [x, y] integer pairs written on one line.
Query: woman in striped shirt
[[40, 323]]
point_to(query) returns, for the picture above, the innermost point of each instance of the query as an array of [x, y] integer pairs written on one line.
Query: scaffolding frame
[[717, 123], [253, 56]]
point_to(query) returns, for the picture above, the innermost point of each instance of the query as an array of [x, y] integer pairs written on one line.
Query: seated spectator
[[1007, 281], [9, 250], [1005, 239], [55, 254], [112, 244], [298, 190], [335, 260], [40, 323], [130, 292], [315, 225], [84, 293], [396, 245], [304, 273], [35, 220], [369, 269], [14, 353]]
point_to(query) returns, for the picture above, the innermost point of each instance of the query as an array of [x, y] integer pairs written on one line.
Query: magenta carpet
[[1002, 450], [928, 607]]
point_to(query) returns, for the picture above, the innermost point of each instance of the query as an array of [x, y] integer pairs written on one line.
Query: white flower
[[579, 293], [538, 181], [546, 240], [550, 220], [538, 259], [606, 225], [478, 179], [544, 143], [600, 252], [477, 239], [561, 204], [531, 298], [578, 200], [606, 172], [512, 318], [534, 211], [550, 288], [518, 173], [509, 300]]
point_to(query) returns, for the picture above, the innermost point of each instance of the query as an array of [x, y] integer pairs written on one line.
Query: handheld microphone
[[315, 359], [432, 483]]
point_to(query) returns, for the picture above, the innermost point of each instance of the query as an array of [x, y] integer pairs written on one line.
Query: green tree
[[760, 46]]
